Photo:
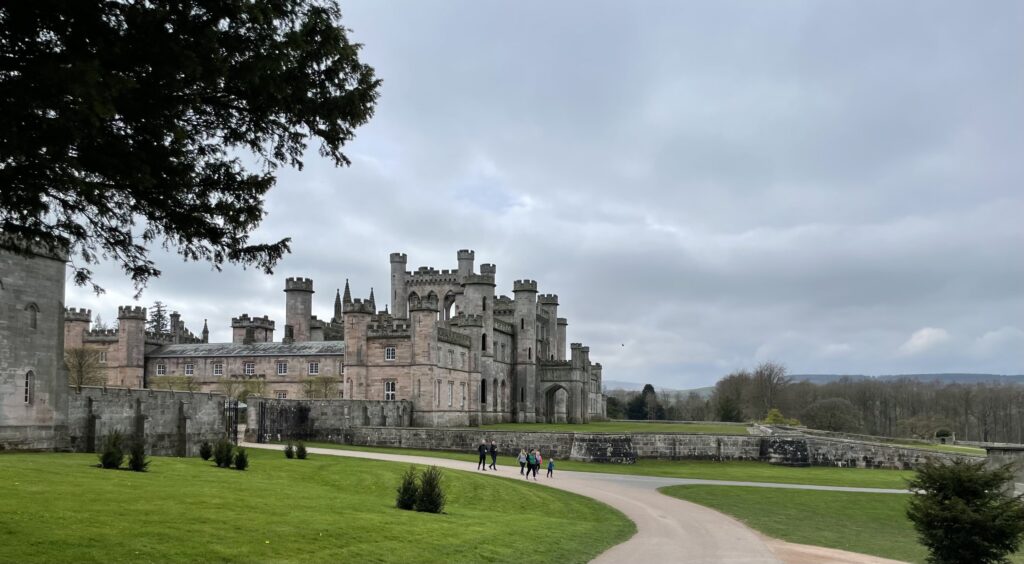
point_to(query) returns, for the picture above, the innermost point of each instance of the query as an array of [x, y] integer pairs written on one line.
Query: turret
[[478, 301], [357, 317], [423, 317], [399, 290], [131, 327], [298, 307], [466, 257], [247, 330], [76, 323], [560, 339], [548, 305], [525, 322], [176, 328]]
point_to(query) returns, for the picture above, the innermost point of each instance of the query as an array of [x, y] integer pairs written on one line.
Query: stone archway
[[557, 404]]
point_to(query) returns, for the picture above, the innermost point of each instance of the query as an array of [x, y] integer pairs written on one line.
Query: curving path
[[668, 529]]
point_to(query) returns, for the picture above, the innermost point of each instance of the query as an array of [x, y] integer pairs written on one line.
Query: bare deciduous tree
[[84, 367]]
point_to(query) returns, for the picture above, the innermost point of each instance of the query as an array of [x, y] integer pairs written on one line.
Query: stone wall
[[173, 423], [320, 420]]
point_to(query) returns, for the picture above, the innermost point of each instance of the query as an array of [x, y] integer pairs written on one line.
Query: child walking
[[551, 467]]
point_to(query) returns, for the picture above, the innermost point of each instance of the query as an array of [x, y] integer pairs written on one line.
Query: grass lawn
[[954, 449], [622, 427], [859, 522], [61, 508], [708, 470]]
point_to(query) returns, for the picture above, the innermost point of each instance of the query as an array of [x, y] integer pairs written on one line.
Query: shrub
[[431, 497], [205, 450], [112, 455], [963, 511], [300, 451], [289, 451], [137, 460], [408, 490], [241, 459], [222, 453]]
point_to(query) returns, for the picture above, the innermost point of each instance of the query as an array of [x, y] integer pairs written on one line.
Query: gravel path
[[668, 529]]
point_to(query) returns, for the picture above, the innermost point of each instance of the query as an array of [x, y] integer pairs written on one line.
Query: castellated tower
[[478, 300], [246, 330], [76, 323], [466, 257], [423, 317], [298, 308], [356, 314], [526, 339], [560, 339], [548, 305], [131, 322], [399, 291]]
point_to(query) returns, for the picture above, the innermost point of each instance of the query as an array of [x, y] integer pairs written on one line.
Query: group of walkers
[[528, 461]]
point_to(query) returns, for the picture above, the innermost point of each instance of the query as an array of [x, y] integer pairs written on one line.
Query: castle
[[460, 354]]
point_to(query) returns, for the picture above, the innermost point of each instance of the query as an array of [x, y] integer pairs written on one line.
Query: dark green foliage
[[205, 450], [408, 490], [241, 459], [112, 454], [137, 460], [300, 451], [222, 453], [431, 497], [289, 451], [129, 123], [615, 409], [831, 414], [963, 512]]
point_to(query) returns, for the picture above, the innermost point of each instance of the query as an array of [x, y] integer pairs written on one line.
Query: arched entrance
[[557, 406]]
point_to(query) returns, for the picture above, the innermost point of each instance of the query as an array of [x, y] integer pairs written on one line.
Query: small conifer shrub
[[137, 460], [222, 453], [289, 451], [300, 451], [112, 455], [205, 450], [408, 490], [241, 459], [431, 497]]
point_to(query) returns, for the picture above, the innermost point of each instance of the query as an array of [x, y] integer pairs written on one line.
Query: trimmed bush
[[205, 450], [408, 490], [222, 452], [300, 451], [431, 497], [241, 459], [289, 451], [137, 460], [112, 455]]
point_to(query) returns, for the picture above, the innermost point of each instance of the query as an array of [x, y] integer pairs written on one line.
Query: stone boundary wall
[[173, 423], [320, 420]]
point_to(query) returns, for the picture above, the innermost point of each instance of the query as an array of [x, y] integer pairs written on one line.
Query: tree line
[[988, 412]]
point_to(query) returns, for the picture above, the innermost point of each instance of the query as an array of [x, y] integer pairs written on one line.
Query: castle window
[[389, 390], [483, 394], [529, 353], [249, 368], [522, 394], [281, 394], [218, 369], [451, 358], [103, 357], [419, 387], [483, 342], [190, 369], [484, 303], [161, 369], [437, 392], [522, 323], [451, 393], [282, 368], [30, 384], [462, 360], [462, 394], [389, 353], [33, 316], [314, 368]]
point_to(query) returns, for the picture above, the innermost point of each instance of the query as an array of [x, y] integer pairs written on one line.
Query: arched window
[[522, 394], [483, 394], [30, 384], [529, 353], [522, 323], [33, 316], [484, 303], [483, 342]]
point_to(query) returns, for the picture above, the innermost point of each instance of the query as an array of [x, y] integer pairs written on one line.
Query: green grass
[[707, 470], [61, 508], [622, 427], [953, 449], [859, 522]]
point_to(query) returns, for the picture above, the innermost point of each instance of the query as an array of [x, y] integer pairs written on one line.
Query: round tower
[[525, 322], [399, 292], [298, 308], [466, 257]]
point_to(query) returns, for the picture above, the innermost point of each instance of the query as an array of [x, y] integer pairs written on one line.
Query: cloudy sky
[[831, 185]]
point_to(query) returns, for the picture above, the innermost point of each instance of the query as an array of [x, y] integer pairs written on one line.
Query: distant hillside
[[610, 385], [945, 378]]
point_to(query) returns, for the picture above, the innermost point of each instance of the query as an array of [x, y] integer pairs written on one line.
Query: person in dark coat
[[494, 455], [482, 450]]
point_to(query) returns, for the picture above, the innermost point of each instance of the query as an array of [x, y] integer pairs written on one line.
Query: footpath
[[668, 529]]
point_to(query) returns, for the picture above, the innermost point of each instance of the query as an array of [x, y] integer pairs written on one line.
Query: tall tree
[[98, 324], [84, 367], [158, 322], [650, 401], [770, 378], [124, 122]]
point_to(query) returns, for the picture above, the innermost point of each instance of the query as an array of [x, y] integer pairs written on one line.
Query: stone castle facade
[[459, 353]]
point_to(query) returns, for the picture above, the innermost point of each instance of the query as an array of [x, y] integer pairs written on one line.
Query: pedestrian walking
[[531, 459], [522, 461], [494, 455], [536, 467], [551, 467], [482, 451]]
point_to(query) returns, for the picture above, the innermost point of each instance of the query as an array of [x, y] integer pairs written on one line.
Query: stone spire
[[373, 303], [337, 306], [347, 298], [206, 332]]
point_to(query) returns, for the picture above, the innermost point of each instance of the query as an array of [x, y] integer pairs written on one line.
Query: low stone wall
[[173, 423], [320, 420]]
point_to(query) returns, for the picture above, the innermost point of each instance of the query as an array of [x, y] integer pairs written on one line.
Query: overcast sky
[[835, 186]]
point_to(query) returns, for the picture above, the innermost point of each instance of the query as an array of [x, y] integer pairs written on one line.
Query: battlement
[[358, 306], [298, 285], [487, 279], [100, 336], [427, 275], [131, 312], [562, 321], [466, 254], [399, 258], [504, 327], [548, 299], [384, 325], [155, 338], [503, 300], [243, 321], [488, 268], [575, 345], [473, 320], [426, 303], [77, 314], [524, 286], [445, 335]]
